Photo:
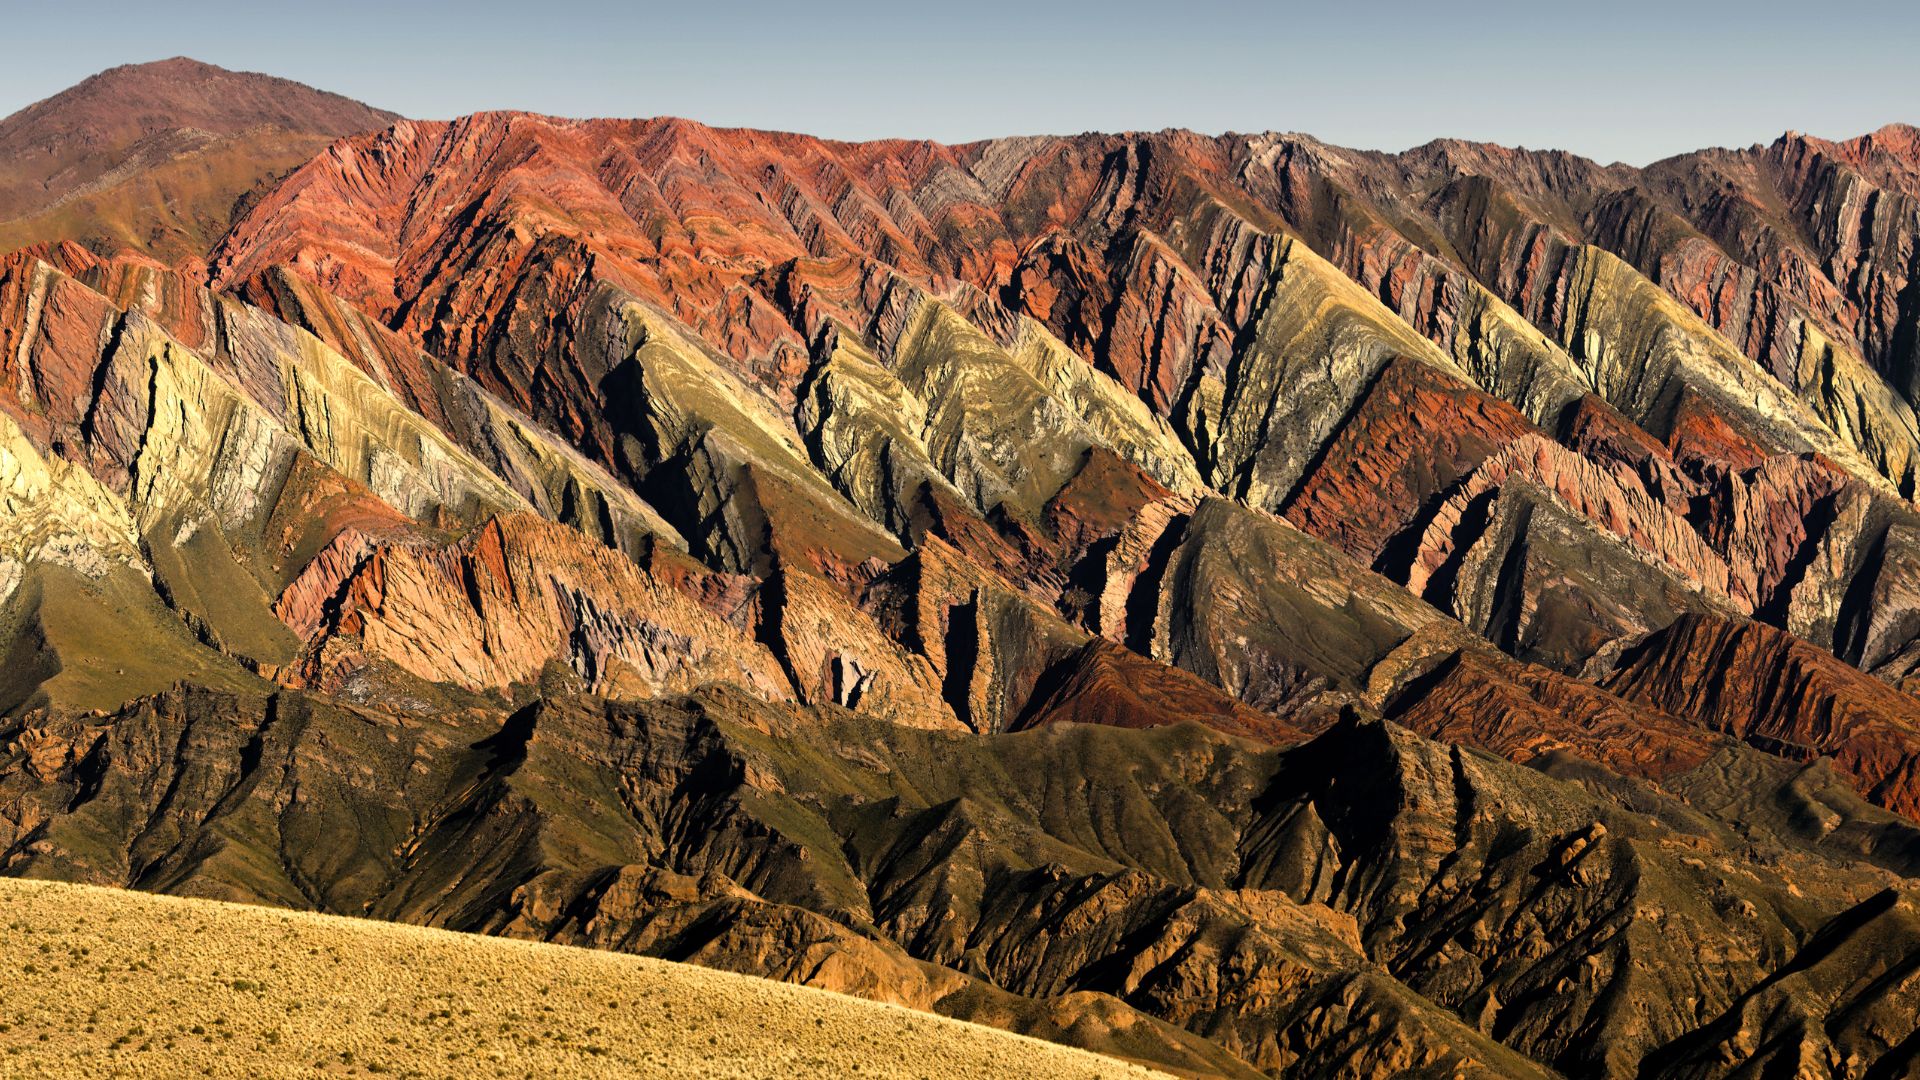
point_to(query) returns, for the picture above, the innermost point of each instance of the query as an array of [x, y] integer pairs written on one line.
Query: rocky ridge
[[1235, 603]]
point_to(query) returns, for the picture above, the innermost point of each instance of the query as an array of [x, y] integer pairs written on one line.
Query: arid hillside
[[159, 157], [103, 982]]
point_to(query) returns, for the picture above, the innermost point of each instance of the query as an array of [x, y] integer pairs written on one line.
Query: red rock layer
[[1106, 684], [1099, 501], [1522, 711], [1763, 520], [1612, 498], [1705, 434], [1596, 430], [1804, 229], [1783, 695], [493, 610], [1413, 435]]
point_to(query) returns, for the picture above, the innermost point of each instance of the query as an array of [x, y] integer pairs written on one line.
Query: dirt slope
[[102, 982]]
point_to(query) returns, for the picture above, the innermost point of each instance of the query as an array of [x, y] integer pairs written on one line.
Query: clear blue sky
[[1628, 81]]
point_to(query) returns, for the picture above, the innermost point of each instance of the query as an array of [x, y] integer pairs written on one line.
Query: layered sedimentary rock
[[1172, 263], [873, 283], [974, 577], [1132, 254], [1773, 691], [56, 511], [1408, 442], [553, 476], [1317, 342], [1527, 713], [1277, 618], [509, 599]]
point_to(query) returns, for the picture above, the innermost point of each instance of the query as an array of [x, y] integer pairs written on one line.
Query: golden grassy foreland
[[104, 982]]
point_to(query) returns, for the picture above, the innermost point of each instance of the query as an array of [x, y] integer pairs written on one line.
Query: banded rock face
[[1409, 441], [1190, 270], [973, 577], [496, 608], [1760, 685]]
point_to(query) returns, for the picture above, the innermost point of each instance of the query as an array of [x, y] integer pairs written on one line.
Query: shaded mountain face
[[1238, 604], [158, 157]]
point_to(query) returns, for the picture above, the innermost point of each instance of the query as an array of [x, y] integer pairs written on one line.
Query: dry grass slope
[[102, 982]]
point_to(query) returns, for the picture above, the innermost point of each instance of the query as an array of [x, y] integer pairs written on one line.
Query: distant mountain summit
[[154, 156]]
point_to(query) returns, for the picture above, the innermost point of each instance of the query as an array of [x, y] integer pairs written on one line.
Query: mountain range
[[1234, 603]]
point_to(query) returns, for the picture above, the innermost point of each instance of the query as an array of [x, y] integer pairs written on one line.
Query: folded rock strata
[[976, 576]]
